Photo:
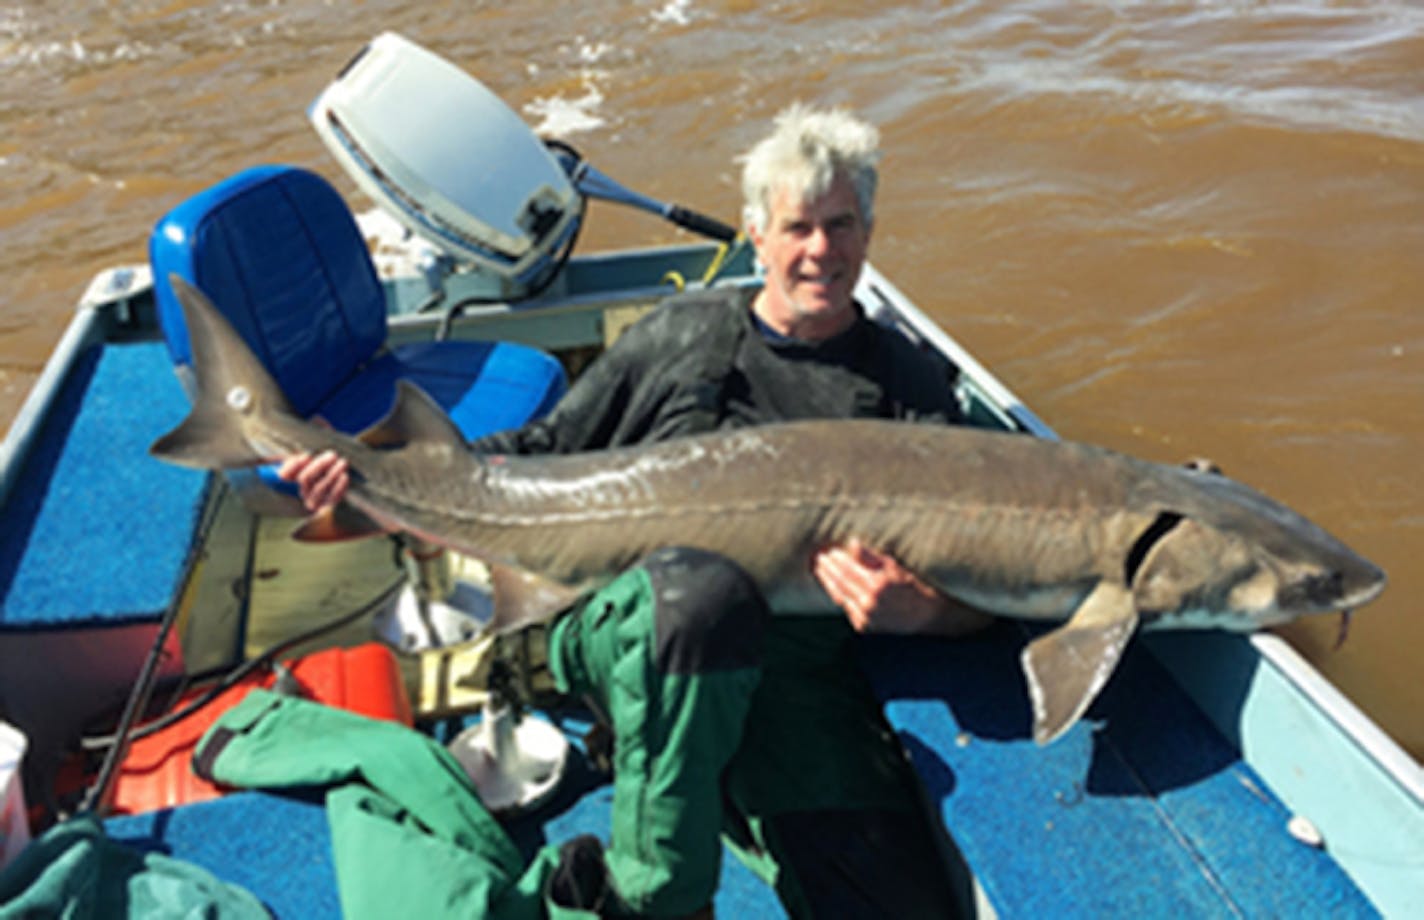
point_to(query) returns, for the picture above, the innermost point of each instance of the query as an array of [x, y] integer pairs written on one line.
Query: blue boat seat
[[277, 250]]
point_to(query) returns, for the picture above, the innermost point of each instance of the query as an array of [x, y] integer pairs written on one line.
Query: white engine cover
[[446, 157]]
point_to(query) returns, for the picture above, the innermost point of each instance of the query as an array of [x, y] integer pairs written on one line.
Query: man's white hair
[[805, 151]]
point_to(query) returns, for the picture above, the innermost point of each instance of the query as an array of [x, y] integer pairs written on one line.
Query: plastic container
[[14, 825]]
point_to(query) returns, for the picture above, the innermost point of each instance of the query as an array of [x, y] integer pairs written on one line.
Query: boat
[[1217, 774]]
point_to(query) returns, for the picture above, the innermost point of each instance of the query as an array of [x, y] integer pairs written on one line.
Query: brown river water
[[1174, 229]]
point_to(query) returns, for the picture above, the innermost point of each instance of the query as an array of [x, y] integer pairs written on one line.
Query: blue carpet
[[1150, 813], [96, 531], [276, 846]]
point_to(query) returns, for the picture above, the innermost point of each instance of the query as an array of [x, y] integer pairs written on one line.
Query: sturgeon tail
[[232, 390]]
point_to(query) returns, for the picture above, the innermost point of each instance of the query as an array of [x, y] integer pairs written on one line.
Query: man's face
[[813, 252]]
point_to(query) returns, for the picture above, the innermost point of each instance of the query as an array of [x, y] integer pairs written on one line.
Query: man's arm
[[614, 400], [879, 595], [576, 423]]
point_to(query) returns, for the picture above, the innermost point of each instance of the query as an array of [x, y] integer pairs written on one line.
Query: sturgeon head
[[1217, 554], [1228, 557]]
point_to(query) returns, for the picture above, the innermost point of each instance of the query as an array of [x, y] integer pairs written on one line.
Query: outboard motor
[[451, 162]]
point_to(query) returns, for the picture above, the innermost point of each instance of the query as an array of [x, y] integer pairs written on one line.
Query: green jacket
[[409, 836]]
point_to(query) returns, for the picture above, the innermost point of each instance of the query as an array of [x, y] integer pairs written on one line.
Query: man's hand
[[322, 478], [879, 595]]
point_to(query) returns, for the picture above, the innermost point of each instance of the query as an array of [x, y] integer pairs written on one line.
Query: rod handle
[[701, 223]]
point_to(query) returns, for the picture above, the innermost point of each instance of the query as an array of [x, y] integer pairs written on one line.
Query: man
[[713, 703]]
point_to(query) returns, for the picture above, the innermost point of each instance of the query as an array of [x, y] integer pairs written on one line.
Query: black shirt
[[698, 363]]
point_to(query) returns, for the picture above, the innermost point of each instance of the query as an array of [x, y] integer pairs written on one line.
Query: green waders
[[711, 702], [671, 652], [833, 818]]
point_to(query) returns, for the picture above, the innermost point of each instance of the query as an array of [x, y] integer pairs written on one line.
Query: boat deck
[[91, 500], [1151, 814], [1141, 809], [278, 845]]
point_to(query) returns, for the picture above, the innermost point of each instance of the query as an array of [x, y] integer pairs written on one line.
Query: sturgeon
[[1013, 525]]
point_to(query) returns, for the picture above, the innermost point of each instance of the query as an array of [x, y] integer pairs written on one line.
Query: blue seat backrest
[[276, 248]]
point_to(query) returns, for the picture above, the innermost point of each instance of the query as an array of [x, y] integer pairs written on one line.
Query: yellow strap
[[720, 259]]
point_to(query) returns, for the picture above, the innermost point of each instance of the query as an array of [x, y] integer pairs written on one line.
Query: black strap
[[207, 755]]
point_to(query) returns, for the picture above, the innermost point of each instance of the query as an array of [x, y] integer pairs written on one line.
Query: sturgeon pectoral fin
[[342, 522], [524, 599], [1067, 667]]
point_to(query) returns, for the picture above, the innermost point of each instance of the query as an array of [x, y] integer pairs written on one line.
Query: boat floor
[[278, 845], [1141, 809], [96, 531]]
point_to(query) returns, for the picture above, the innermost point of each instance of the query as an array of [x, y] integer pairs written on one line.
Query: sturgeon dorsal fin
[[414, 418], [1067, 667], [342, 522], [522, 599]]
